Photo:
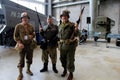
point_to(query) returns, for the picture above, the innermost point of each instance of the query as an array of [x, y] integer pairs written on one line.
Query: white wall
[[74, 14], [31, 5], [109, 8]]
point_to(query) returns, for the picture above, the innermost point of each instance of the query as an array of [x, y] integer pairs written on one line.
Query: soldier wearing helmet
[[67, 44], [23, 35], [25, 14]]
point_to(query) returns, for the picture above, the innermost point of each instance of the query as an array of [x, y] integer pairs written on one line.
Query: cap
[[24, 14], [65, 13], [49, 17]]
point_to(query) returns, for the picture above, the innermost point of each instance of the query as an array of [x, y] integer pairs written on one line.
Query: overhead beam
[[34, 1], [57, 4]]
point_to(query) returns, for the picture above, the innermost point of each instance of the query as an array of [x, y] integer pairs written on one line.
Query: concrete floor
[[93, 62]]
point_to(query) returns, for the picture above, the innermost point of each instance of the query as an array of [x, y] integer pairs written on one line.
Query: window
[[0, 6], [1, 16]]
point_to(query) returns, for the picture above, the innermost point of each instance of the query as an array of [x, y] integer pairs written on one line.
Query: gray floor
[[93, 62]]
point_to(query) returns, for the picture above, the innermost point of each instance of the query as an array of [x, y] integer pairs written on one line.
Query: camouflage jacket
[[20, 32]]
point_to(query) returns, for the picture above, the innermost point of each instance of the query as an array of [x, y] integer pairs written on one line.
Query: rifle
[[78, 21], [38, 18], [41, 40]]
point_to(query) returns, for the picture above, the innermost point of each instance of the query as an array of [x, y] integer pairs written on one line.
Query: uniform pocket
[[33, 44], [64, 46]]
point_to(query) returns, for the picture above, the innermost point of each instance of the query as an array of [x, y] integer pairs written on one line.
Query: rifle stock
[[41, 40]]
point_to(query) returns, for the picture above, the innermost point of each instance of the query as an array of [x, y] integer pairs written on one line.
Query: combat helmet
[[65, 13], [25, 14]]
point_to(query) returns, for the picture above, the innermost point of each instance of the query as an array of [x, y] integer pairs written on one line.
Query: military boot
[[54, 68], [20, 77], [45, 68], [64, 72], [28, 70], [70, 77]]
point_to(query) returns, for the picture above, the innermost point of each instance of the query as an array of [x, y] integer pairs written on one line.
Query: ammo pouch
[[33, 44], [65, 43]]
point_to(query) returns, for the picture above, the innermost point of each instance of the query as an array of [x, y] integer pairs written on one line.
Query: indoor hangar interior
[[96, 56]]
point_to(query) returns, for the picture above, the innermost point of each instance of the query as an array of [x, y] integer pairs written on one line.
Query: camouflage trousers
[[49, 52], [26, 52], [67, 56]]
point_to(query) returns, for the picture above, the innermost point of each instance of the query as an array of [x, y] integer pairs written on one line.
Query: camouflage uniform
[[24, 35], [27, 51]]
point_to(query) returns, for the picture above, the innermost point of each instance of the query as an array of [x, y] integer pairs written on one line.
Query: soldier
[[50, 32], [68, 33], [23, 35]]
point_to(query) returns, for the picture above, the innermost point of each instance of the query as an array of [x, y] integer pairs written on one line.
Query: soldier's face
[[50, 20], [25, 20], [64, 19]]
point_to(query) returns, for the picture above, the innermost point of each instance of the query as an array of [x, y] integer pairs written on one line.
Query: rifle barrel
[[38, 18], [78, 21]]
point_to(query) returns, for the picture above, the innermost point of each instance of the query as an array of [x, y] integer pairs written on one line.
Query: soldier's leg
[[53, 56], [20, 74], [70, 63], [29, 57], [63, 59], [21, 64], [70, 77], [45, 60]]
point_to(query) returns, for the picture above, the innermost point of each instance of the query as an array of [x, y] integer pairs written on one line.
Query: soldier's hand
[[76, 26], [30, 36], [21, 46], [41, 29]]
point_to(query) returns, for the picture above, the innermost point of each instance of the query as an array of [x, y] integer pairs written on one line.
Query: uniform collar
[[63, 25]]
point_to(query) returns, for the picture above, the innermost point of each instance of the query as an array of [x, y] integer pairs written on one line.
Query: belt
[[68, 41]]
